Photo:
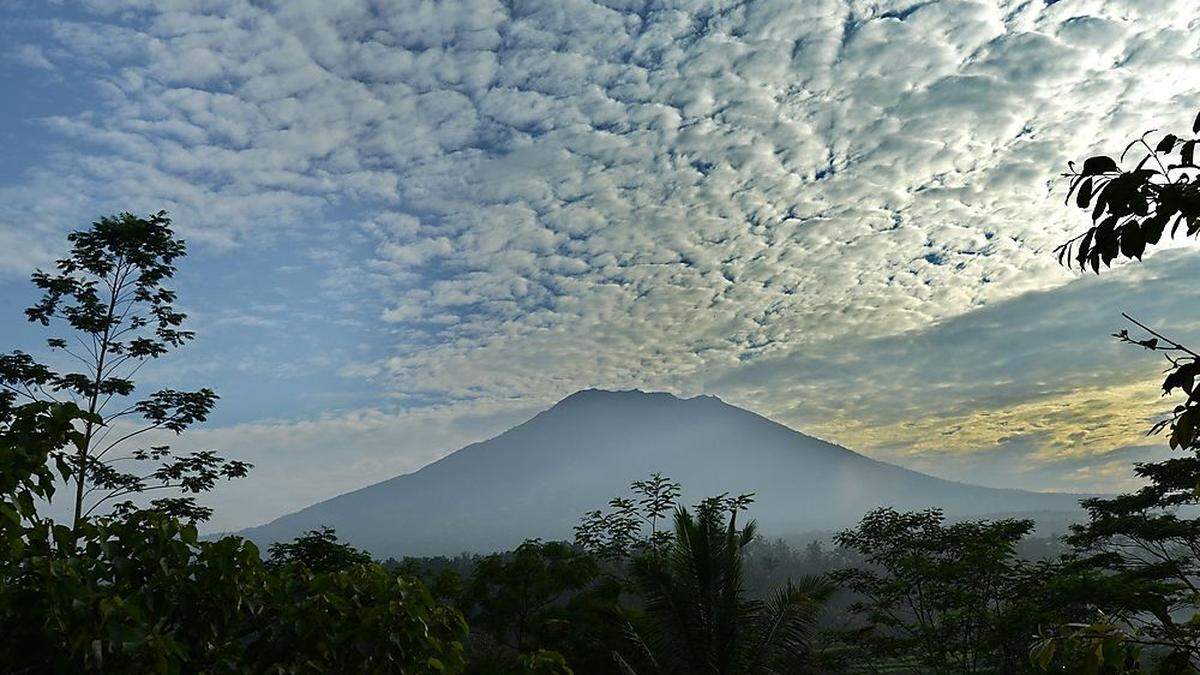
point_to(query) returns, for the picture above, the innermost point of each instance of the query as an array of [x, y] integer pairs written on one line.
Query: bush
[[138, 591]]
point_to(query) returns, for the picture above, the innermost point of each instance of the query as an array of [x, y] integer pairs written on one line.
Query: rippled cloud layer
[[509, 201]]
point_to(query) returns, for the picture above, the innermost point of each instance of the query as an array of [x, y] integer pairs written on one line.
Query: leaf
[[1133, 243], [1196, 125], [1184, 432], [1081, 254], [1085, 193], [1098, 165], [25, 503], [1183, 377], [10, 513], [1187, 153], [1042, 653], [1166, 144], [1106, 243], [1152, 228]]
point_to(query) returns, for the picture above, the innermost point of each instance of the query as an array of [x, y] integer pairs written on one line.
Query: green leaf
[[1042, 653], [25, 503], [9, 512]]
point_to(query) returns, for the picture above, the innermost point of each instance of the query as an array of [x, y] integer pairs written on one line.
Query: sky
[[414, 224]]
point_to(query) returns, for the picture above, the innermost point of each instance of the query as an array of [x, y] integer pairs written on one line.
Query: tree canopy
[[110, 295]]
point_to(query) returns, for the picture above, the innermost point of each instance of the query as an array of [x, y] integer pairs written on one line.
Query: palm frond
[[785, 622]]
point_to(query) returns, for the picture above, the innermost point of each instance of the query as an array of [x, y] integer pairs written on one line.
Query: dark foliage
[[631, 524], [109, 292], [316, 551], [954, 597], [1131, 208], [1147, 543], [138, 591], [697, 617], [540, 602], [512, 597]]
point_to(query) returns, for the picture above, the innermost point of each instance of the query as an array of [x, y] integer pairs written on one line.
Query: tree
[[361, 619], [539, 604], [622, 530], [510, 595], [543, 662], [138, 591], [110, 293], [317, 551], [696, 616], [1148, 541], [939, 593], [29, 436]]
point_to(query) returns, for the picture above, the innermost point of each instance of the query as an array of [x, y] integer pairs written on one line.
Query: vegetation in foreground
[[648, 586]]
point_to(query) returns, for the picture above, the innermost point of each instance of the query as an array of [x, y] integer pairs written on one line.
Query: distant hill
[[535, 479]]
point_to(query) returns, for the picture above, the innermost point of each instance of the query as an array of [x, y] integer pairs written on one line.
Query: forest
[[127, 584]]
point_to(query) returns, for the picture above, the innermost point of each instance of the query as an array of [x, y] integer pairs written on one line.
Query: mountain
[[537, 478]]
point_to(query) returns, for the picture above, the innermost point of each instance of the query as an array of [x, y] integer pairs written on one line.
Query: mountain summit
[[537, 478]]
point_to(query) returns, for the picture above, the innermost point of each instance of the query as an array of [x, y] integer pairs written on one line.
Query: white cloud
[[560, 194]]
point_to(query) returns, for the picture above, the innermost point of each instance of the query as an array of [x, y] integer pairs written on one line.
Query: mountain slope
[[535, 479]]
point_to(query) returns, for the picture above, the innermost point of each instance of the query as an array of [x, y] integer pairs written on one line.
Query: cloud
[[519, 200], [32, 56], [1029, 392]]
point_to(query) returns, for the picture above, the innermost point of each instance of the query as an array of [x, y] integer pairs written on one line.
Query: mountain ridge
[[537, 478]]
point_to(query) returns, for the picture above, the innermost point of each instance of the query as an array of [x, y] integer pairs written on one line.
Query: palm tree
[[696, 618]]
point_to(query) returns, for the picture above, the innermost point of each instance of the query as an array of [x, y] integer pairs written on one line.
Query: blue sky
[[412, 224]]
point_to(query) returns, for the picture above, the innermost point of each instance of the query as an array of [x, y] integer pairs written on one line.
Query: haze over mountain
[[537, 478]]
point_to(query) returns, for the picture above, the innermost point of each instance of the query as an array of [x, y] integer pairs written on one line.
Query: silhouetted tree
[[511, 595], [937, 593], [317, 551], [1149, 540], [697, 618], [622, 530], [30, 435], [110, 293], [138, 591]]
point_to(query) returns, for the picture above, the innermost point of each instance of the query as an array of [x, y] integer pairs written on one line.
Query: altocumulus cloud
[[526, 198]]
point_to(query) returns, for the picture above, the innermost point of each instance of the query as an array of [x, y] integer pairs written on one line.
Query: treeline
[[652, 586], [647, 586]]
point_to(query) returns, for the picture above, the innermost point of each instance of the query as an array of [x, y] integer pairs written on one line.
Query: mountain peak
[[593, 395]]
